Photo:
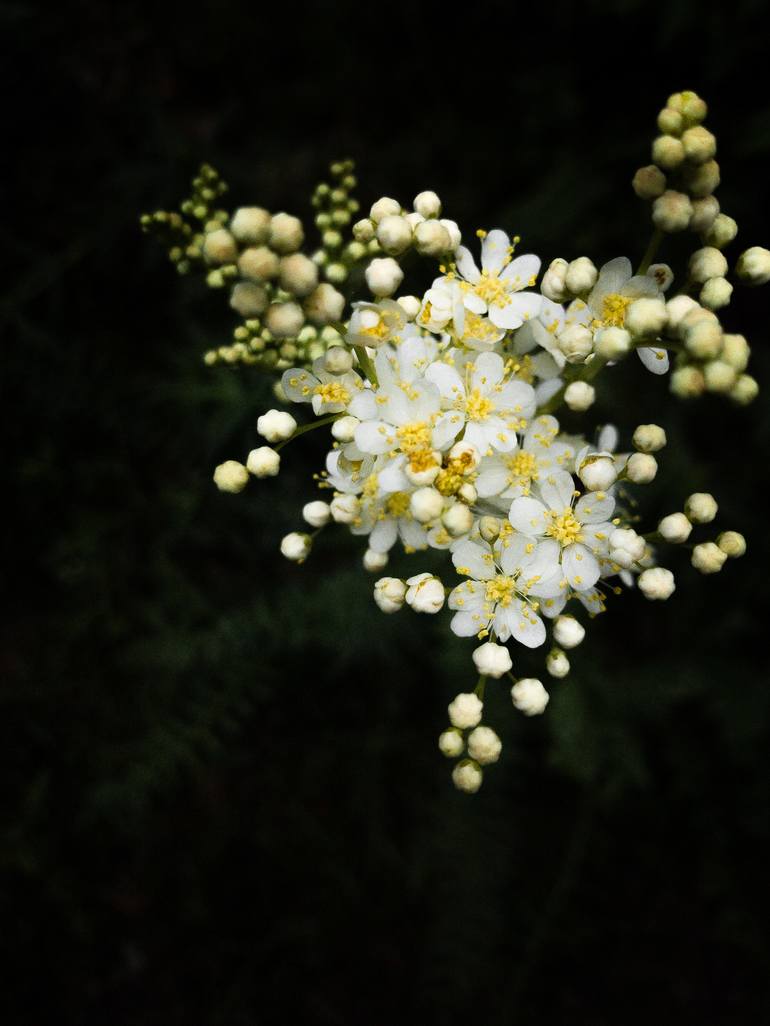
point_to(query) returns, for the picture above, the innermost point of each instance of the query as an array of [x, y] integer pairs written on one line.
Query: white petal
[[488, 371], [445, 430], [375, 436], [522, 271], [298, 385], [466, 265], [524, 624], [474, 561], [495, 251], [383, 536], [594, 507], [557, 490], [528, 515], [580, 567], [493, 477], [446, 379], [364, 405], [655, 360], [466, 625]]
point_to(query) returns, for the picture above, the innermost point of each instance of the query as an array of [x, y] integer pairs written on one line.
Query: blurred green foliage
[[222, 801]]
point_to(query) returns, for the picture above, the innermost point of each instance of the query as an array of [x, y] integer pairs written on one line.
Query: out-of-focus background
[[222, 801]]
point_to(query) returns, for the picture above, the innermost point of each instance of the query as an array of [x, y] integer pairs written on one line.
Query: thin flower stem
[[480, 687], [650, 252], [309, 427], [366, 365]]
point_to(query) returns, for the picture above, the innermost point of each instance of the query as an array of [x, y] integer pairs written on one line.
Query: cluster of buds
[[440, 409]]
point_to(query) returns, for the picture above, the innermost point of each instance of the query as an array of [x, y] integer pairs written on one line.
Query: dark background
[[221, 798]]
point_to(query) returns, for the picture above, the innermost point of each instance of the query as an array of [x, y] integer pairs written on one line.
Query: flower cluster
[[441, 407]]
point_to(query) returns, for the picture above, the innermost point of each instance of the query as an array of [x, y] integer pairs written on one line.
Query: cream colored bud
[[451, 743], [641, 468], [657, 583], [394, 234], [719, 376], [745, 391], [410, 305], [338, 360], [554, 283], [467, 493], [716, 293], [375, 561], [484, 746], [455, 235], [465, 710], [426, 504], [324, 305], [557, 664], [672, 211], [231, 476], [701, 508], [646, 317], [414, 219], [736, 352], [258, 264], [390, 594], [251, 226], [467, 777], [363, 230], [286, 233], [704, 213], [670, 121], [598, 472], [722, 231], [219, 247], [675, 528], [384, 207], [649, 182], [458, 520], [316, 513], [296, 547], [677, 308], [344, 509], [693, 108], [703, 339], [699, 144], [612, 343], [707, 263], [687, 382], [581, 276], [568, 632], [489, 528], [248, 299], [753, 266], [298, 274], [703, 179], [276, 425], [667, 152], [649, 438], [431, 239], [732, 544], [263, 462], [383, 276], [492, 660], [579, 396], [576, 343], [344, 429], [284, 320], [529, 696], [427, 204], [708, 558]]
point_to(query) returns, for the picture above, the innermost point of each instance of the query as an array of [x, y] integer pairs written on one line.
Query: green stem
[[480, 687], [652, 249], [309, 427], [366, 365]]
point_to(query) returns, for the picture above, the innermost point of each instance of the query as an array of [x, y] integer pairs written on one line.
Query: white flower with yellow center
[[373, 324], [497, 290], [616, 288], [443, 310], [486, 401], [327, 393], [574, 536], [503, 592], [509, 475]]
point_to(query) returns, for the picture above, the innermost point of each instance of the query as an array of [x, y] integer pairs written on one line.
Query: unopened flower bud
[[672, 211], [383, 276], [258, 264], [716, 293], [338, 360], [426, 504], [649, 182], [675, 528], [298, 274], [576, 342], [465, 711], [677, 308], [492, 660], [598, 472], [568, 632], [529, 696], [484, 746], [390, 594], [489, 528], [554, 285], [316, 513], [719, 376], [703, 338], [649, 438], [670, 121], [345, 509], [699, 144], [579, 396], [427, 204], [364, 230], [722, 231], [344, 429], [612, 343], [458, 519], [410, 305], [646, 317], [425, 594], [286, 233], [451, 743], [641, 468], [704, 213], [708, 558], [394, 234], [467, 776], [557, 663], [687, 382], [753, 266], [263, 462], [701, 508], [581, 276], [248, 299], [736, 352], [284, 320], [453, 230], [732, 544], [745, 390], [431, 239], [702, 179], [231, 476], [276, 425], [657, 583], [251, 226], [296, 547], [626, 547], [219, 247], [375, 561], [667, 152], [707, 263]]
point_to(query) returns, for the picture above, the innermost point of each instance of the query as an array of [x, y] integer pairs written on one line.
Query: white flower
[[502, 594], [490, 406], [296, 546], [484, 745], [425, 594], [657, 583], [529, 696], [372, 324], [465, 710], [492, 660], [512, 474], [327, 393], [568, 632], [276, 425], [575, 536], [263, 462], [389, 594], [495, 291]]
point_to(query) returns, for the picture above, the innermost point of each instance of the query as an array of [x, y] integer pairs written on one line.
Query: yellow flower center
[[422, 459], [412, 437], [379, 331], [332, 392], [565, 528], [500, 590], [492, 290], [614, 310], [479, 328], [397, 504], [478, 406]]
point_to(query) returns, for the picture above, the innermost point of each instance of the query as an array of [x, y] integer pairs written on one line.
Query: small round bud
[[687, 382], [753, 266], [703, 179], [716, 293], [458, 520], [284, 320], [467, 777], [649, 182], [745, 391], [692, 107], [667, 152], [316, 513], [661, 274], [467, 493], [568, 632], [425, 594], [258, 264], [394, 234], [492, 660], [598, 472], [612, 343], [219, 247], [248, 299], [296, 547], [579, 396], [641, 468], [554, 283], [286, 233], [732, 544], [708, 558], [677, 309], [427, 204], [344, 429], [338, 360], [375, 561], [231, 476], [484, 745], [324, 305], [384, 207], [703, 338], [577, 343], [722, 231], [424, 471], [529, 696], [251, 226], [363, 230], [657, 583], [675, 528], [626, 547], [489, 529], [390, 594], [719, 376], [383, 276], [426, 504], [298, 274], [670, 121], [649, 438], [453, 230], [345, 509], [557, 664], [414, 219], [699, 144], [701, 508], [465, 711], [431, 239], [276, 425], [704, 213], [707, 263], [736, 352], [451, 744], [263, 462], [581, 276], [646, 317], [672, 211], [410, 305]]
